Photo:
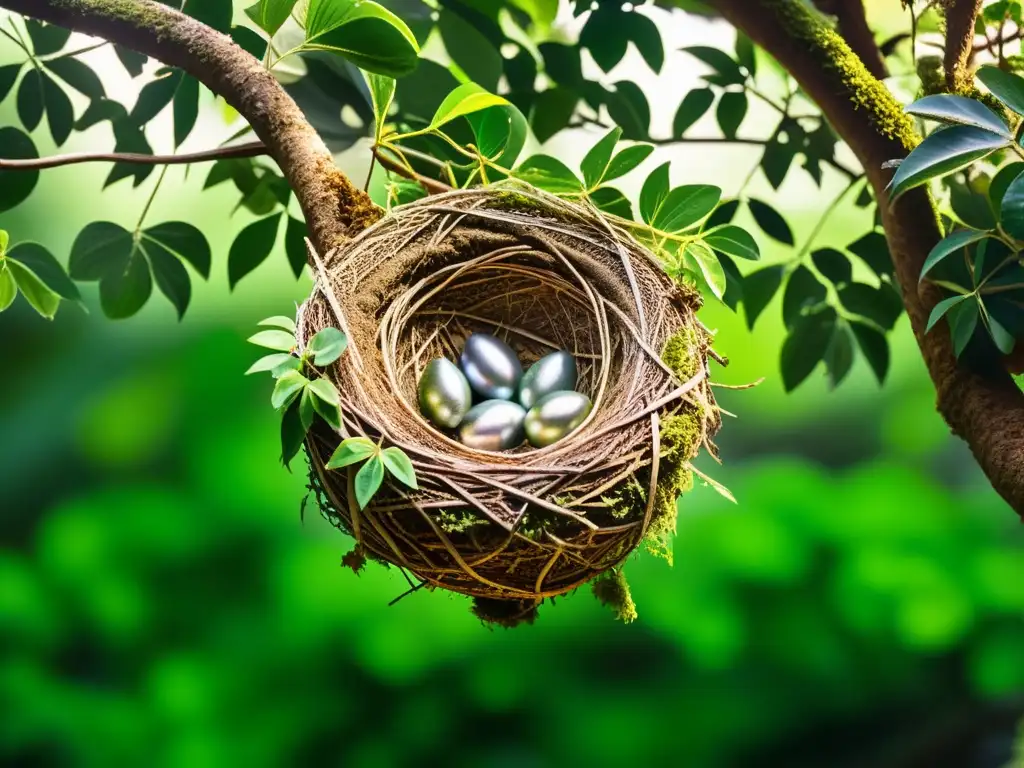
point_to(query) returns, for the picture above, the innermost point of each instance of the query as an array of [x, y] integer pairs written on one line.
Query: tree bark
[[986, 411], [960, 16], [332, 205], [853, 26]]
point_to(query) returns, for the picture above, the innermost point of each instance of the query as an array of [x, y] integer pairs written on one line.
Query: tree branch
[[960, 16], [252, 149], [433, 186], [987, 411], [853, 26], [332, 205]]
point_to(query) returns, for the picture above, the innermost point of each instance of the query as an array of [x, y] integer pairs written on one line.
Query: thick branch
[[987, 412], [853, 26], [332, 205], [960, 16], [252, 149]]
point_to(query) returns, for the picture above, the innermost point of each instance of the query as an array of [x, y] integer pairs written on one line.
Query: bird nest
[[516, 527]]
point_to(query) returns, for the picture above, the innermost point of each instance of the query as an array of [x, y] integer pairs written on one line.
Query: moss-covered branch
[[332, 205], [986, 411], [853, 26]]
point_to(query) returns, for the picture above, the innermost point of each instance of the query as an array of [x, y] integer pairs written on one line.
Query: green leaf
[[280, 340], [278, 321], [1006, 87], [805, 346], [8, 76], [185, 241], [288, 387], [654, 192], [327, 346], [155, 96], [950, 245], [610, 200], [252, 247], [734, 241], [364, 32], [100, 248], [691, 109], [368, 480], [382, 93], [269, 363], [710, 267], [185, 108], [16, 186], [352, 451], [745, 53], [8, 287], [1003, 339], [685, 206], [960, 110], [170, 274], [306, 411], [132, 61], [327, 402], [627, 106], [882, 306], [873, 250], [500, 133], [839, 355], [1011, 211], [269, 15], [963, 320], [46, 268], [30, 100], [42, 299], [46, 38], [548, 173], [1000, 183], [125, 289], [552, 110], [758, 289], [295, 245], [943, 152], [875, 348], [626, 160], [467, 46], [770, 221], [60, 115], [969, 206], [727, 70], [595, 162], [733, 282], [732, 108], [399, 465], [833, 264], [776, 161], [250, 42], [939, 310], [78, 75], [803, 291], [464, 100], [292, 433], [5, 240]]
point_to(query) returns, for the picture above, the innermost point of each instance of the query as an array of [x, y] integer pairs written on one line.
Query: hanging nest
[[541, 273]]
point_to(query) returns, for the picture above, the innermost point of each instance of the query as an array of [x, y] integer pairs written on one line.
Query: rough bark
[[960, 16], [853, 26], [986, 411], [332, 205]]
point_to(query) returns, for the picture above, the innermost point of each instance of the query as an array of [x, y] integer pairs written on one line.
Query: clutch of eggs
[[540, 405]]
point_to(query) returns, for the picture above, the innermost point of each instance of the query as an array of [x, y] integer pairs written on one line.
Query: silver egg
[[493, 425], [492, 368], [555, 416], [444, 393], [552, 373]]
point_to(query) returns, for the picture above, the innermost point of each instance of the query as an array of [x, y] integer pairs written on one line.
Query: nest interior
[[542, 274]]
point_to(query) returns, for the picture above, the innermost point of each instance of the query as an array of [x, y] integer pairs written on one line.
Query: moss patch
[[627, 499], [458, 521], [504, 613], [682, 353], [612, 590]]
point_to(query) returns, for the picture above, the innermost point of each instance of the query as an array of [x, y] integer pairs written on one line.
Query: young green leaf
[[364, 32], [382, 93], [278, 321], [805, 346], [959, 110], [684, 206], [279, 340], [269, 15], [626, 160], [399, 465], [758, 289], [464, 100], [42, 299], [771, 222], [326, 401], [306, 411], [692, 108], [548, 173], [611, 200], [368, 480], [5, 240], [943, 152], [1005, 86], [500, 133], [595, 162], [950, 245], [46, 268], [288, 387], [8, 287], [939, 310], [292, 433], [654, 192], [352, 451], [734, 241], [270, 363], [709, 266], [327, 346]]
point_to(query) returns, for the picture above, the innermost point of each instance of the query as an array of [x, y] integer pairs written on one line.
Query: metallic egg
[[493, 425], [552, 373], [492, 368], [555, 416], [444, 394]]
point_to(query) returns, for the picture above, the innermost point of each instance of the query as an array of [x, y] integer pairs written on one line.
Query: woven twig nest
[[542, 274]]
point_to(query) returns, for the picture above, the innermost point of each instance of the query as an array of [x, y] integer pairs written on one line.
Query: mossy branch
[[332, 205], [853, 26], [986, 410]]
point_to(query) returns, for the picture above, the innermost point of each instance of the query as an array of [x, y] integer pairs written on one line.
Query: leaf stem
[[149, 202]]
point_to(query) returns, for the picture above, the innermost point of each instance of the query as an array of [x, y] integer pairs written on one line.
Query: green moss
[[682, 353], [612, 590], [627, 499], [862, 88], [459, 521]]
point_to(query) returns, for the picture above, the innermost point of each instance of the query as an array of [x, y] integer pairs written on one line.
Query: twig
[[433, 186], [253, 149]]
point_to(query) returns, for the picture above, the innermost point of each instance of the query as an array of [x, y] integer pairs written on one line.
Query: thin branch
[[853, 26], [433, 186], [960, 16], [252, 149], [988, 45]]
